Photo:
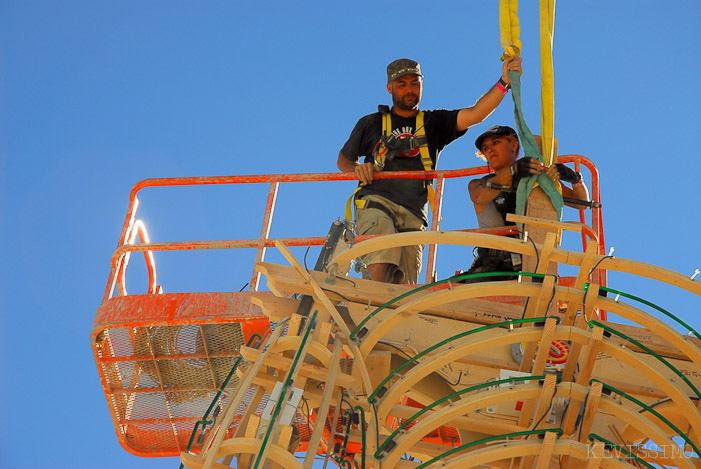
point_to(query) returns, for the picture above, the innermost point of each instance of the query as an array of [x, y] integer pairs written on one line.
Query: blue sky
[[95, 96]]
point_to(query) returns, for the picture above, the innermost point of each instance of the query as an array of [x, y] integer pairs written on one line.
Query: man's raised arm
[[469, 116]]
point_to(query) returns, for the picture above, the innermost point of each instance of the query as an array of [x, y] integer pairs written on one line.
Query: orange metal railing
[[162, 357], [133, 227]]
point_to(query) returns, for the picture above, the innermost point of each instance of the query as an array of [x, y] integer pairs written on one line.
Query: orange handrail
[[140, 230], [132, 226]]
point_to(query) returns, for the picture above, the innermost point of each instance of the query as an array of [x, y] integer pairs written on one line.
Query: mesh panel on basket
[[187, 361]]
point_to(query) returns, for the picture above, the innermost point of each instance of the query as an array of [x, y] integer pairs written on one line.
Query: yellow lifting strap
[[510, 29], [511, 43], [380, 160], [547, 92]]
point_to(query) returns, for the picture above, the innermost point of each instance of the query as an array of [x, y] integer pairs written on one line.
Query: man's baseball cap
[[401, 67], [497, 130]]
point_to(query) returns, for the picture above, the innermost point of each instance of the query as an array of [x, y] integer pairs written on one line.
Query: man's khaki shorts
[[372, 221]]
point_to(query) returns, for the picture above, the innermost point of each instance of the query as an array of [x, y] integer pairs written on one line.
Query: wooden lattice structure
[[369, 374]]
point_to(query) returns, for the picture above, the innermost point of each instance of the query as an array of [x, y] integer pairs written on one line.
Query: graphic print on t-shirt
[[402, 133]]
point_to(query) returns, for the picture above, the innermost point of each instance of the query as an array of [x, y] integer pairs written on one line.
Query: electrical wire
[[377, 424], [339, 294], [579, 434], [305, 257], [308, 416], [597, 265], [439, 373], [348, 280], [535, 249], [547, 411], [537, 263], [586, 292]]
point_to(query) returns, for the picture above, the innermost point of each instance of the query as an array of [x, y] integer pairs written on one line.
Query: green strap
[[530, 148]]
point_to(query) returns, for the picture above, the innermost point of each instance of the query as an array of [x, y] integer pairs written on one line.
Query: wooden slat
[[310, 371], [324, 406], [478, 311]]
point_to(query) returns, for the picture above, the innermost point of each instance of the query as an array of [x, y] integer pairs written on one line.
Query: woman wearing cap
[[494, 195]]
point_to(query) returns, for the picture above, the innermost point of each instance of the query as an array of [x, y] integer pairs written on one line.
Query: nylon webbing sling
[[511, 43], [530, 148]]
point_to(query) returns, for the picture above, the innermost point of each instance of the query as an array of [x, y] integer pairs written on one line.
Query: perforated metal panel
[[162, 379], [161, 368]]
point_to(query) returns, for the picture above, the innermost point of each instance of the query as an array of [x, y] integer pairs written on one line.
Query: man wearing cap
[[494, 195], [405, 139]]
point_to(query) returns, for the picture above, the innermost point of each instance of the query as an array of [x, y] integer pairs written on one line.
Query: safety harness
[[386, 149]]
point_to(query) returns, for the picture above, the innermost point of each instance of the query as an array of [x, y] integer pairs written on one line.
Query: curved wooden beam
[[652, 431], [379, 325], [324, 405], [389, 318], [209, 449], [522, 448], [292, 343], [642, 269], [321, 297], [252, 446], [410, 238], [647, 320], [667, 409], [443, 416], [664, 382], [514, 245], [496, 338], [471, 403], [460, 348]]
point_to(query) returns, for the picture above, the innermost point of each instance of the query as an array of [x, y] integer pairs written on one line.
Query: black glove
[[522, 167], [568, 174]]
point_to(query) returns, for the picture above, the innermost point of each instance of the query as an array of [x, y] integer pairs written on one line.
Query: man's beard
[[404, 104]]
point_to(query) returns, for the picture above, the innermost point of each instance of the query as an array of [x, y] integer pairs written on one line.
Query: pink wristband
[[501, 88]]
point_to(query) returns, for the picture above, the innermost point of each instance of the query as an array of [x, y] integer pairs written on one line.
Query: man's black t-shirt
[[441, 129]]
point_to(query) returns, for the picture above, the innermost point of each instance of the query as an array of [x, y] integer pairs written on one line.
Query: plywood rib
[[252, 446], [462, 407], [431, 237], [517, 449], [305, 369], [397, 326], [330, 384], [320, 352], [652, 431], [509, 244], [320, 296], [475, 311], [690, 349], [233, 404], [665, 380], [379, 326], [461, 347], [497, 338]]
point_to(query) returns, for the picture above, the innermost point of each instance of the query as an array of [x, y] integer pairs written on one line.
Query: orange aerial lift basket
[[167, 359]]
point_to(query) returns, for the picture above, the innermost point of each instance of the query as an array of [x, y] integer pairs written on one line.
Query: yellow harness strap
[[349, 204], [387, 124], [425, 156], [382, 154]]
